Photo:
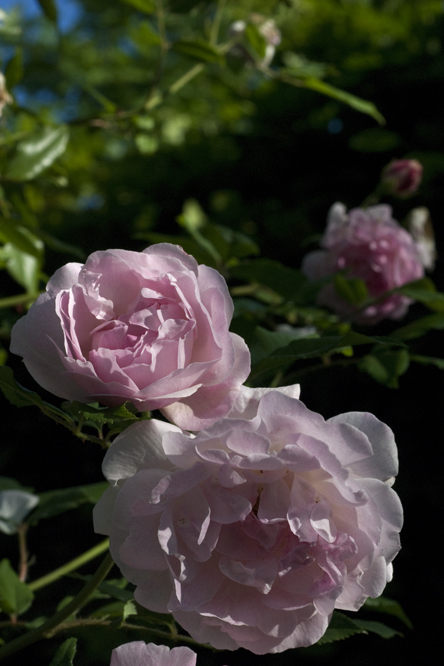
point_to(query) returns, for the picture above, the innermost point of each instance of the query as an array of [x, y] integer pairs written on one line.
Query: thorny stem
[[23, 550], [168, 635], [48, 627], [69, 566]]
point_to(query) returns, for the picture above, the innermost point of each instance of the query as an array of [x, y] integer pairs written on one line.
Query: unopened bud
[[401, 178]]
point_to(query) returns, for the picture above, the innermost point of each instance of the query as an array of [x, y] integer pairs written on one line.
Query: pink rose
[[251, 532], [401, 178], [150, 327], [367, 244], [138, 653]]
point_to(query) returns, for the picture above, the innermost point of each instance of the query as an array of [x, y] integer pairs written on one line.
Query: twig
[[47, 627]]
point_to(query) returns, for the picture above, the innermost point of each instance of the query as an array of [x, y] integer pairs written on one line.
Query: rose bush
[[150, 327], [367, 244], [139, 653], [251, 532]]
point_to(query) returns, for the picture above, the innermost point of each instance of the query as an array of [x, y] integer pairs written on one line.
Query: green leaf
[[298, 65], [60, 246], [37, 152], [193, 219], [65, 654], [117, 592], [129, 609], [249, 307], [107, 104], [377, 628], [312, 348], [256, 40], [386, 366], [146, 6], [198, 50], [49, 9], [152, 618], [15, 596], [146, 143], [54, 502], [21, 237], [428, 360], [356, 103], [21, 397], [388, 606], [144, 37], [3, 352], [97, 417], [265, 342], [285, 281], [23, 268], [229, 243], [417, 328], [114, 610], [353, 290], [339, 628], [6, 483], [425, 292], [14, 69]]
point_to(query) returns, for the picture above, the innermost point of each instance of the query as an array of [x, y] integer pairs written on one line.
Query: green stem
[[20, 299], [216, 23], [167, 635], [70, 566], [186, 78], [177, 85], [294, 377], [23, 567], [79, 600], [373, 198]]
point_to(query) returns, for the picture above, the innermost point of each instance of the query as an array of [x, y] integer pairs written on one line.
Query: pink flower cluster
[[150, 327], [254, 530], [367, 244]]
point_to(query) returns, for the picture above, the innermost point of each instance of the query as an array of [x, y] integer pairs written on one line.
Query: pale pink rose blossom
[[253, 531], [139, 653], [367, 244], [150, 327]]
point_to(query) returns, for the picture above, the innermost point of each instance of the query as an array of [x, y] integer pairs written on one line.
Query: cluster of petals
[[367, 244], [254, 530], [148, 327], [139, 653]]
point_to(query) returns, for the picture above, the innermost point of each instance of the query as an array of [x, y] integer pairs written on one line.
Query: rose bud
[[401, 178]]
